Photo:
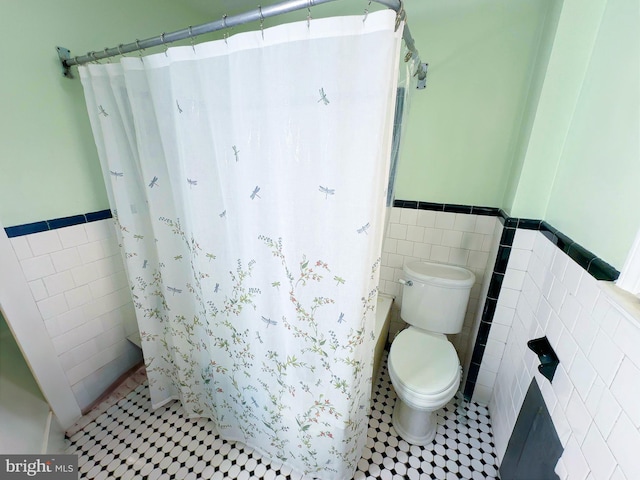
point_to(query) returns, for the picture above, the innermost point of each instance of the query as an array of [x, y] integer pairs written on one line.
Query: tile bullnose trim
[[53, 224]]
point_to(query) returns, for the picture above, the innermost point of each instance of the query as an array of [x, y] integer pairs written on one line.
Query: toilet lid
[[424, 363]]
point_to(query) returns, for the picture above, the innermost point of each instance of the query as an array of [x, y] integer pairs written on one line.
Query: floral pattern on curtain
[[247, 181]]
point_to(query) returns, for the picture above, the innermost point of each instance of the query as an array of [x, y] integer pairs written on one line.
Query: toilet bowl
[[423, 365]]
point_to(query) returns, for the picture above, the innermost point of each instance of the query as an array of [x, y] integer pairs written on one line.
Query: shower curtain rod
[[258, 14]]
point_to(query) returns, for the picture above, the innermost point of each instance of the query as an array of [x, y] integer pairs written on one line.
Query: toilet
[[423, 365]]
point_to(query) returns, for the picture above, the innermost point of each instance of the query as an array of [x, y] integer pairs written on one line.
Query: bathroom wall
[[463, 239], [77, 279], [593, 396], [581, 169], [48, 159]]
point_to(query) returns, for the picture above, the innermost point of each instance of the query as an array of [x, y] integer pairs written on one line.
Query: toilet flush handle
[[407, 283]]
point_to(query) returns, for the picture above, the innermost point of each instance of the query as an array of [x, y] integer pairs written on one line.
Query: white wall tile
[[569, 311], [405, 248], [451, 238], [588, 291], [605, 357], [584, 331], [21, 247], [458, 256], [472, 241], [98, 230], [44, 242], [445, 220], [582, 374], [557, 295], [426, 218], [574, 461], [623, 442], [572, 276], [627, 337], [389, 245], [519, 259], [90, 252], [79, 296], [485, 224], [415, 233], [72, 236], [397, 231], [38, 290], [66, 259], [58, 283], [524, 239], [513, 279], [408, 216], [71, 319], [421, 250], [626, 389], [600, 459], [433, 236], [52, 306], [464, 222], [559, 265], [508, 297], [607, 412], [37, 267], [440, 254], [578, 417]]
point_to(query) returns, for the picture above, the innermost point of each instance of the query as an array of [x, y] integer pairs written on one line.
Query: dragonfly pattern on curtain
[[255, 284]]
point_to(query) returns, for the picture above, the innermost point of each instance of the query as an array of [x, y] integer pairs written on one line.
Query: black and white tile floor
[[131, 441]]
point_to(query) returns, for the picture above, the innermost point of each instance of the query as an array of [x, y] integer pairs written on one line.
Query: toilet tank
[[435, 296]]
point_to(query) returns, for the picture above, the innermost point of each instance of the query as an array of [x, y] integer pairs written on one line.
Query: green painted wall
[[463, 130], [596, 192], [535, 168], [48, 161]]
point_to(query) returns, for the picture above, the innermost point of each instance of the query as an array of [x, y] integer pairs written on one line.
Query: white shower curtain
[[247, 181]]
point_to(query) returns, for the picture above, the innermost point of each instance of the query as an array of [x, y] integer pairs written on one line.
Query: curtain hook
[[140, 50], [224, 26], [309, 16], [120, 50], [366, 12], [165, 45], [107, 53], [261, 21], [193, 47]]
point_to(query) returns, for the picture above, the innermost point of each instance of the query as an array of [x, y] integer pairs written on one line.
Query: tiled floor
[[130, 441]]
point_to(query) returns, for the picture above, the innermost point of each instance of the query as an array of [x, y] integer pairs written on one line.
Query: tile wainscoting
[[76, 275], [593, 398], [443, 234]]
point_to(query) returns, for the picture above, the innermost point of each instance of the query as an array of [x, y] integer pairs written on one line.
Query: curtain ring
[[165, 45], [309, 14], [366, 12], [261, 21], [120, 50], [140, 50], [107, 53], [92, 55], [224, 26], [193, 47]]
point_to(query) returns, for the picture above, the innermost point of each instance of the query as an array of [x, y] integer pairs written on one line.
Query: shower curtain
[[247, 183]]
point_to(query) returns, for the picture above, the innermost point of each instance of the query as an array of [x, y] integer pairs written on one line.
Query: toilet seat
[[424, 368]]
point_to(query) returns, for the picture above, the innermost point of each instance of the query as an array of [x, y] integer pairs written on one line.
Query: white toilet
[[423, 365]]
